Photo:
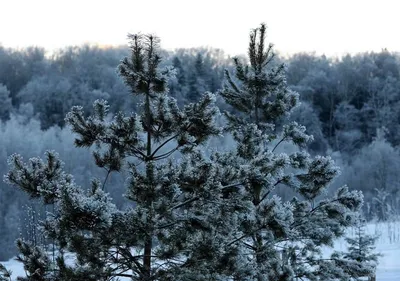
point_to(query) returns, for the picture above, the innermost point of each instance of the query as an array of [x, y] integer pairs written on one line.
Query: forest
[[350, 105]]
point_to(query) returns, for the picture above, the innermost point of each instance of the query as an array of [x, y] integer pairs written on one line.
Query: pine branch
[[167, 154], [276, 146], [106, 178], [244, 236], [231, 185], [164, 143], [185, 203], [267, 193]]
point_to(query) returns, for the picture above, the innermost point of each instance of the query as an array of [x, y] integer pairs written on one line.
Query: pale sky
[[330, 27]]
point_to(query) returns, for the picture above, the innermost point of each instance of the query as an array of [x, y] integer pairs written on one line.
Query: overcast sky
[[332, 27]]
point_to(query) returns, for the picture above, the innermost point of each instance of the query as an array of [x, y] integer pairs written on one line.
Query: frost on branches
[[273, 239], [168, 232], [196, 218], [361, 252]]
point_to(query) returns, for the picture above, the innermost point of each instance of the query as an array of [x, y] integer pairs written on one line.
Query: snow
[[15, 267], [388, 244]]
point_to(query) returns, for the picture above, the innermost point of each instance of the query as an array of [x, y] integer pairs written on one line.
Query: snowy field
[[388, 244]]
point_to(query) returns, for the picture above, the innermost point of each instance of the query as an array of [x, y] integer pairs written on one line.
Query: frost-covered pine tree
[[273, 239], [168, 232], [361, 252]]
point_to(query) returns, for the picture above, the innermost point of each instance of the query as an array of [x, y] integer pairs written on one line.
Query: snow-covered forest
[[350, 105]]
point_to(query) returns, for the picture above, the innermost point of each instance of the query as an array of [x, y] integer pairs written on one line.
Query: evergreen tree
[[361, 251], [166, 233], [177, 85], [5, 103], [199, 65], [180, 75], [273, 239]]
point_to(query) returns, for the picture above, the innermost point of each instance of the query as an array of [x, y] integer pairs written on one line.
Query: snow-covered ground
[[388, 244]]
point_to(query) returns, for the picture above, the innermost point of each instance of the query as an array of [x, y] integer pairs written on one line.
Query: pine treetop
[[259, 91]]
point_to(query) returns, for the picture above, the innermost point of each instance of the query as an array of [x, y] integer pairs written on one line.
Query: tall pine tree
[[273, 239], [165, 235]]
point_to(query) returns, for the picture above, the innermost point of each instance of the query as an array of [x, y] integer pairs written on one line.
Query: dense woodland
[[351, 105]]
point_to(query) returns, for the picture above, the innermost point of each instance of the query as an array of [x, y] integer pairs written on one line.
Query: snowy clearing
[[388, 244]]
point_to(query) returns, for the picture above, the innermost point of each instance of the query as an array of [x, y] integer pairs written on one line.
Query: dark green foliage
[[36, 262], [263, 95], [276, 239], [89, 225]]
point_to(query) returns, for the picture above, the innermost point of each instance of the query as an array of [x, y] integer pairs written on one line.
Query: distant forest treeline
[[350, 105]]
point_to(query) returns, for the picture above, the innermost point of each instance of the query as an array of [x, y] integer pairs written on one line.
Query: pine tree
[[273, 239], [167, 234], [177, 64], [361, 251], [5, 100]]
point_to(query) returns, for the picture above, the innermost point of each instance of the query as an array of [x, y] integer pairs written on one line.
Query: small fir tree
[[361, 251]]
